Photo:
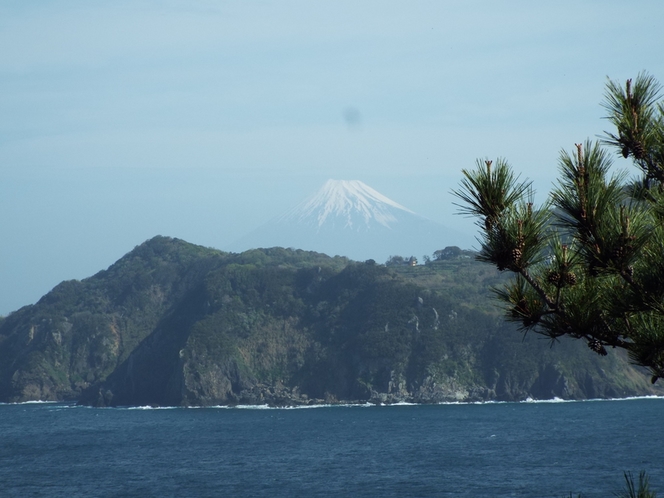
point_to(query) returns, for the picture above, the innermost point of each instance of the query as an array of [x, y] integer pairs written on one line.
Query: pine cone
[[638, 150], [625, 151], [618, 253], [516, 254], [553, 277], [596, 346], [570, 278]]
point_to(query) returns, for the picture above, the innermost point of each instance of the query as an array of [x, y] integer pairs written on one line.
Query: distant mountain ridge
[[173, 324], [349, 218]]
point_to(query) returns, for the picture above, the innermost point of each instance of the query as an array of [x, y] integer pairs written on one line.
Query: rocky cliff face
[[177, 324]]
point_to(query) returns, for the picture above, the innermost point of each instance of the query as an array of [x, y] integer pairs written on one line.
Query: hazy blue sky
[[202, 120]]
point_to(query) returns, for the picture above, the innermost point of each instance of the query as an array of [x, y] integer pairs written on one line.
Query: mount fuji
[[349, 218]]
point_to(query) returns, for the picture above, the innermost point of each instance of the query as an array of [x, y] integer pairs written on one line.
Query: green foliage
[[637, 117], [588, 264], [173, 323], [487, 192], [461, 279], [632, 490], [396, 261], [448, 253]]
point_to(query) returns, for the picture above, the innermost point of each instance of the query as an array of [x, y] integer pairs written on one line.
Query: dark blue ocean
[[460, 450]]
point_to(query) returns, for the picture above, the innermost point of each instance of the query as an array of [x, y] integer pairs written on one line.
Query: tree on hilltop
[[589, 263], [447, 253]]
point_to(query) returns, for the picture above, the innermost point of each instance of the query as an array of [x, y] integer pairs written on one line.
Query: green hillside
[[172, 323]]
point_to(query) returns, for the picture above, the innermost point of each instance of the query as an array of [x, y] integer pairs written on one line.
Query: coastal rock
[[551, 383]]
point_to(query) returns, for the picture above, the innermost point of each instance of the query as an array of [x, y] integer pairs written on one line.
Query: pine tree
[[589, 263]]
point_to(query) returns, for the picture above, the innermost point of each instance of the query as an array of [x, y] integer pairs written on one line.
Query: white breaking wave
[[59, 405], [32, 402], [292, 407]]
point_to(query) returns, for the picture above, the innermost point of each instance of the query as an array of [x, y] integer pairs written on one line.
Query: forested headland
[[172, 323]]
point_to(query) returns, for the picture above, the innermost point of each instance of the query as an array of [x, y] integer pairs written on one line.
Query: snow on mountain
[[349, 203], [349, 218]]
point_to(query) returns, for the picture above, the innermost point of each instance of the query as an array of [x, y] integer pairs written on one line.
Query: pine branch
[[589, 264]]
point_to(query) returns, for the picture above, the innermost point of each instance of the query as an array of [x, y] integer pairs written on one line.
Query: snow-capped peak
[[350, 201], [351, 219]]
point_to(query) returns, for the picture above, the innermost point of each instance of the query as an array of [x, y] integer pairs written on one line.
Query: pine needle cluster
[[589, 263]]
